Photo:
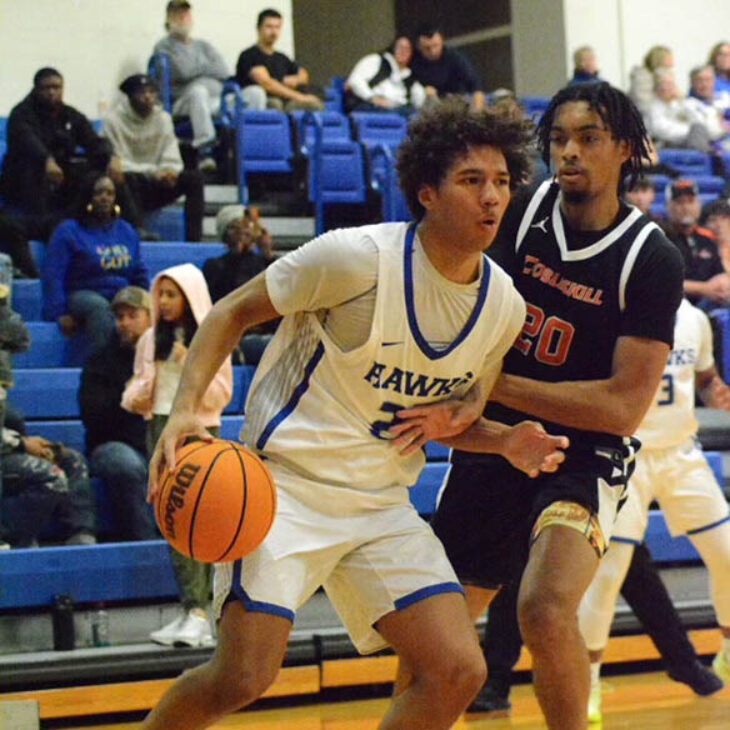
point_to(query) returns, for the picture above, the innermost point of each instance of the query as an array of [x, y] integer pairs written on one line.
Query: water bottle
[[100, 628], [64, 633]]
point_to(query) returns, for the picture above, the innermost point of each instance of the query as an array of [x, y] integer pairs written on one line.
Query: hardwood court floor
[[637, 702]]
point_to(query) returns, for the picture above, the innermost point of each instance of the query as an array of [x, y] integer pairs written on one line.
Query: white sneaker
[[194, 630], [166, 635], [595, 711]]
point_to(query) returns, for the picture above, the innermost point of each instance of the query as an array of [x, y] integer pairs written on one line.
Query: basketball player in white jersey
[[670, 469], [375, 319]]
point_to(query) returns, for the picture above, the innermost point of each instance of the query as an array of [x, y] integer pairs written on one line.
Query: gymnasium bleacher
[[347, 160]]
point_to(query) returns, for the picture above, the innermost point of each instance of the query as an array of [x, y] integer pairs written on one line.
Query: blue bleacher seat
[[722, 319], [710, 183], [339, 177], [333, 125], [264, 141], [689, 163], [27, 299], [47, 392], [168, 222], [69, 432], [334, 98], [426, 490], [660, 184], [659, 208], [535, 106], [50, 349], [374, 128], [159, 256], [131, 571], [385, 181]]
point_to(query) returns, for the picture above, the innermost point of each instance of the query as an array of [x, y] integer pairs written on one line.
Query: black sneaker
[[700, 678], [489, 700]]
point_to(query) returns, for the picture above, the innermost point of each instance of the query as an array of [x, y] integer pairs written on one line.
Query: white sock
[[595, 673]]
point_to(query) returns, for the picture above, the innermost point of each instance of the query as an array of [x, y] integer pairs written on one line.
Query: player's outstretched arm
[[217, 335], [526, 445], [615, 405]]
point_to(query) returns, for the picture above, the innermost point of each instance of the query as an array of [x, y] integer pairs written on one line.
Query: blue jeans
[[124, 471], [91, 310]]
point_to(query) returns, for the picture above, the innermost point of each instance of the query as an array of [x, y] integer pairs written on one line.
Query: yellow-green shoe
[[721, 667], [595, 713]]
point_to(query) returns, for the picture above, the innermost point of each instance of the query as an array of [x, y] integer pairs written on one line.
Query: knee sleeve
[[714, 549], [597, 608]]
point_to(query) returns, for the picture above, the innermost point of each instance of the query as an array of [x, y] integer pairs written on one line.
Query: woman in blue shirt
[[91, 256]]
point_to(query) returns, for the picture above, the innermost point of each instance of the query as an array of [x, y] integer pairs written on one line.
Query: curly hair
[[439, 137], [618, 113]]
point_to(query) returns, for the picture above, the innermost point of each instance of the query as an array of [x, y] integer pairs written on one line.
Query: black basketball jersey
[[583, 295]]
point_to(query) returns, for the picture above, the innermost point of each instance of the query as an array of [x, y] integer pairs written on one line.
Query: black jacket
[[103, 378], [33, 136]]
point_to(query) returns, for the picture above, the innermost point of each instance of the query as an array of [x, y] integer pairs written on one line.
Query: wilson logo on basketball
[[176, 499]]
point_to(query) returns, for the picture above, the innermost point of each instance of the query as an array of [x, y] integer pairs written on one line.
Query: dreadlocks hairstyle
[[439, 137], [619, 115]]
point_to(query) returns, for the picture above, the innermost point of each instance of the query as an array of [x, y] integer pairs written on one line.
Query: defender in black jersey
[[602, 285]]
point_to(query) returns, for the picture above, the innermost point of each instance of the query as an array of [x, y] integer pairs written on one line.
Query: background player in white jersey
[[375, 319], [670, 469], [601, 284]]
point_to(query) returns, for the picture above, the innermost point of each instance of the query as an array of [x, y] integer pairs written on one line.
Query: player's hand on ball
[[179, 427], [416, 426], [529, 448]]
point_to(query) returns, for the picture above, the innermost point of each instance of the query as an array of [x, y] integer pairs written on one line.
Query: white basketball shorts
[[371, 551], [681, 481]]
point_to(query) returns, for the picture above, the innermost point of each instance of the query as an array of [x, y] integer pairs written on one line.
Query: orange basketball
[[218, 503]]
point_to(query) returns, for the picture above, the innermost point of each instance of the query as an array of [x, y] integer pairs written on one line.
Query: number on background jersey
[[553, 336], [666, 391], [377, 428]]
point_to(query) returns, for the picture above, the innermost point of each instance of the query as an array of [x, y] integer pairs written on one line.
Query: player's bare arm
[[526, 445], [215, 339], [714, 392], [615, 405], [441, 420]]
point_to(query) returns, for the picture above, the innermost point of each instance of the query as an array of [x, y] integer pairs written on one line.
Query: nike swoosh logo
[[390, 344]]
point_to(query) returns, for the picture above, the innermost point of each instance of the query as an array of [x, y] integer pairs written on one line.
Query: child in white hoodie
[[180, 301]]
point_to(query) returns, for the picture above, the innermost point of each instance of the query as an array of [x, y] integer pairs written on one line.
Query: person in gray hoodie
[[147, 155]]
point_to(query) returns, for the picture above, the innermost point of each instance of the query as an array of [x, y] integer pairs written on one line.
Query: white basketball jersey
[[671, 419], [324, 413]]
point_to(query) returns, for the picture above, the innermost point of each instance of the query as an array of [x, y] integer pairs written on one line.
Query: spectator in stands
[[716, 217], [720, 62], [91, 256], [270, 79], [443, 70], [672, 120], [147, 155], [180, 301], [585, 63], [46, 491], [642, 194], [249, 245], [197, 72], [50, 147], [14, 338], [115, 438], [384, 81], [641, 88], [701, 100], [706, 282]]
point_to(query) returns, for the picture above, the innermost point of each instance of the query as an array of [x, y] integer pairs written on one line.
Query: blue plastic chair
[[159, 256], [386, 182], [27, 299], [689, 163], [50, 349], [374, 128]]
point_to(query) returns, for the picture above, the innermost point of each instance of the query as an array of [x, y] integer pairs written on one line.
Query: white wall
[[97, 43], [622, 31]]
